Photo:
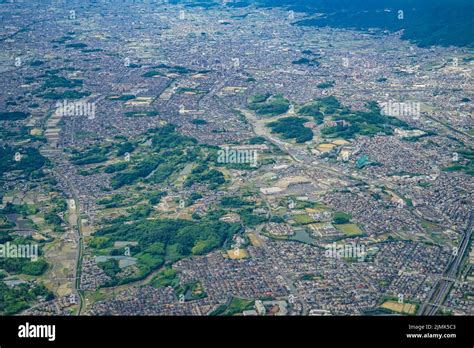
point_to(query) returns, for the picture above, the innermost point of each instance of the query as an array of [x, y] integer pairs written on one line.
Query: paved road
[[441, 288]]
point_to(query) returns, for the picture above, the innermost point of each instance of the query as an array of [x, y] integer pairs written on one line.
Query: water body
[[302, 236]]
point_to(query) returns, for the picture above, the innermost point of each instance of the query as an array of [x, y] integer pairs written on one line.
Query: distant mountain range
[[425, 22]]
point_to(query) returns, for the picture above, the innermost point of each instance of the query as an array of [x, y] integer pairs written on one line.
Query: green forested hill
[[425, 22]]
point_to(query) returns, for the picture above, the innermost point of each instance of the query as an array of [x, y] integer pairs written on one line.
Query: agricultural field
[[403, 308]]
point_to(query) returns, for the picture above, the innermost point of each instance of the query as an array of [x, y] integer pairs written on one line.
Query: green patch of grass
[[124, 97], [191, 90], [349, 229], [341, 218], [165, 277], [302, 219], [236, 305]]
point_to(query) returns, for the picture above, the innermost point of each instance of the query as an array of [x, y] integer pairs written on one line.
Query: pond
[[301, 235]]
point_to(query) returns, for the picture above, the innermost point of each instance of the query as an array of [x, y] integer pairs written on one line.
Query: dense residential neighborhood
[[346, 187]]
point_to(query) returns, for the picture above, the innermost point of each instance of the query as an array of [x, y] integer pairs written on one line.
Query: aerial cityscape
[[218, 157]]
